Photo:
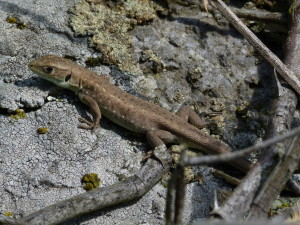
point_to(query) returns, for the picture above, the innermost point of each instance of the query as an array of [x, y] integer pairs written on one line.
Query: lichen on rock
[[109, 28]]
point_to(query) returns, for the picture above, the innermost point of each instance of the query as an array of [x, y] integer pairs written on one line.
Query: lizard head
[[57, 70]]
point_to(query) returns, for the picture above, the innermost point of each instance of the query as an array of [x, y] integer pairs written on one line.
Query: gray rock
[[189, 59]]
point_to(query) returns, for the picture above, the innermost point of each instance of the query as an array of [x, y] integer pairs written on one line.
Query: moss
[[18, 114], [8, 214], [14, 20], [42, 130], [279, 205], [90, 181]]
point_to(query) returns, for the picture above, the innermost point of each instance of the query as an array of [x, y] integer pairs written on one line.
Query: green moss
[[8, 214], [279, 205], [12, 20], [90, 181], [18, 114], [42, 130]]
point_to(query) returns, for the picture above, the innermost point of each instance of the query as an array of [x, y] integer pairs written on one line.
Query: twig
[[229, 179], [257, 14], [209, 160], [260, 15], [287, 74], [176, 185]]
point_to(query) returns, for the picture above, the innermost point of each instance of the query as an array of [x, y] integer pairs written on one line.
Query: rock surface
[[185, 59]]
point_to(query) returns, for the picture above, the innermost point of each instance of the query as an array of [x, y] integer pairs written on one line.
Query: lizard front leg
[[94, 109]]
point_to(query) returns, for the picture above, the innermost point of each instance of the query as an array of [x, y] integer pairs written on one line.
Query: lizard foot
[[151, 154], [147, 156], [82, 120], [90, 125]]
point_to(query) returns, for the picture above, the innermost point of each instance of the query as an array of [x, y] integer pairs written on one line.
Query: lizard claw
[[150, 154], [82, 120]]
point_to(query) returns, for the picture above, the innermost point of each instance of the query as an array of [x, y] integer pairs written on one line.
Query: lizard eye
[[48, 69], [68, 77]]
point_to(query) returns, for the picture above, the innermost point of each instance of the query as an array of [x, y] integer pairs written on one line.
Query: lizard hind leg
[[157, 138], [190, 116]]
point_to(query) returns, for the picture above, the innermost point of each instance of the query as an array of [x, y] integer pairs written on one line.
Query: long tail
[[195, 138]]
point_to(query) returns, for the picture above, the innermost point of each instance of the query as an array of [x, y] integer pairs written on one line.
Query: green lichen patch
[[18, 114], [42, 130], [14, 20], [109, 28], [90, 181], [8, 214], [278, 206]]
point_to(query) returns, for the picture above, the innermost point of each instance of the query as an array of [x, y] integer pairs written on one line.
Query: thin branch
[[256, 14], [176, 185], [229, 179]]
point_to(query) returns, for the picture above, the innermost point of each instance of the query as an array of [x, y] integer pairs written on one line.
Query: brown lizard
[[103, 98]]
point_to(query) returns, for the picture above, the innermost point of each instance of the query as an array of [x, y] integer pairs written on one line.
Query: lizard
[[135, 114]]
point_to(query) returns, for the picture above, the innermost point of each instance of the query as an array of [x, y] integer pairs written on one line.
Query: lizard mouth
[[32, 67]]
